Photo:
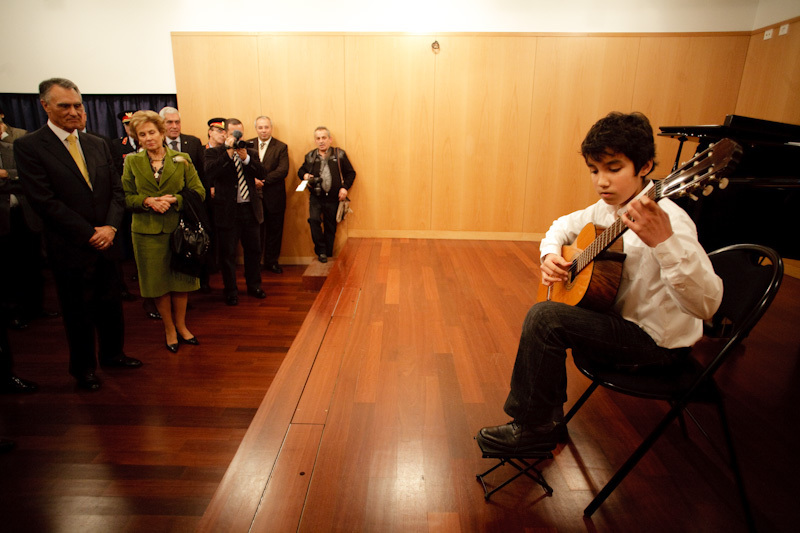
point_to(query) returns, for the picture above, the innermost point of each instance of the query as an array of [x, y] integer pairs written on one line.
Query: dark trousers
[[21, 276], [246, 229], [90, 304], [272, 236], [539, 379], [322, 215]]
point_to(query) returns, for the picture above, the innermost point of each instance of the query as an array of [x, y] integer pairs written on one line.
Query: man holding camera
[[330, 175], [236, 176]]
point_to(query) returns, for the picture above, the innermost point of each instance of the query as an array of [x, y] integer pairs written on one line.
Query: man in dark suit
[[9, 133], [70, 179], [20, 246], [236, 178], [274, 156]]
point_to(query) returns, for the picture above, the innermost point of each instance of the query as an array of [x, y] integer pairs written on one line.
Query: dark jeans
[[247, 230], [322, 214], [539, 379]]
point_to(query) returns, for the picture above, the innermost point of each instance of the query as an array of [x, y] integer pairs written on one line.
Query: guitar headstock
[[703, 171]]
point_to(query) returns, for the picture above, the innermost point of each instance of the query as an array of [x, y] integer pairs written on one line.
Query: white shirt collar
[[61, 133]]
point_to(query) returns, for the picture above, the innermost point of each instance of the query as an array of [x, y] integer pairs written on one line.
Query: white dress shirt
[[668, 290]]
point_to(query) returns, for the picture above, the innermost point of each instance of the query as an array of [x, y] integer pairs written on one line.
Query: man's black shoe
[[323, 258], [18, 324], [128, 297], [275, 268], [15, 385], [257, 292], [232, 300], [121, 361], [49, 314], [89, 381], [514, 438]]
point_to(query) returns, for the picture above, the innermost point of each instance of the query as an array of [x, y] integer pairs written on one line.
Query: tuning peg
[[693, 197], [708, 189], [723, 183]]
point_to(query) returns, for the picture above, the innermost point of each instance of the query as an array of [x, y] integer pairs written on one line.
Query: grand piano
[[761, 203]]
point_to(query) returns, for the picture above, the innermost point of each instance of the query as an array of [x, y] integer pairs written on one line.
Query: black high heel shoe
[[172, 347], [193, 341]]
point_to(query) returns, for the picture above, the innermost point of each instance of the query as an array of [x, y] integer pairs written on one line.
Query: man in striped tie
[[236, 175]]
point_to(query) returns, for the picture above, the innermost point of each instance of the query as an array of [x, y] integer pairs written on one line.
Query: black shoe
[[6, 445], [257, 292], [153, 315], [514, 438], [49, 314], [15, 385], [193, 341], [18, 324], [275, 268], [121, 361], [323, 258], [128, 297], [89, 381], [232, 300], [172, 347]]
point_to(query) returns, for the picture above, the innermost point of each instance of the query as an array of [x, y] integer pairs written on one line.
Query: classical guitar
[[597, 252]]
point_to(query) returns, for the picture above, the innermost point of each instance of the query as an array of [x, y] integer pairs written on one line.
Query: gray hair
[[47, 85], [255, 122], [168, 111], [320, 128]]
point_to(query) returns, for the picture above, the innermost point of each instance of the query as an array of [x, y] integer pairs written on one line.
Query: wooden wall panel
[[215, 76], [687, 80], [389, 97], [302, 87], [771, 80], [480, 140], [481, 128], [578, 80]]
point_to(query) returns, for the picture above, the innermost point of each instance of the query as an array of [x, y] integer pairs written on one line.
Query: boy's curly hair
[[620, 133]]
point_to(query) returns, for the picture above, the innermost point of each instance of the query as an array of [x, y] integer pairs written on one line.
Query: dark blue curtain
[[25, 111]]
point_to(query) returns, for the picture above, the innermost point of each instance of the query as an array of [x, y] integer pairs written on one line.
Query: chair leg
[[632, 461], [734, 465], [580, 402]]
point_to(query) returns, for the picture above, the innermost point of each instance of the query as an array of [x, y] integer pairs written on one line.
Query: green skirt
[[156, 278]]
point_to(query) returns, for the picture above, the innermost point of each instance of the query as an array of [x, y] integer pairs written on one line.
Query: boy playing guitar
[[667, 287]]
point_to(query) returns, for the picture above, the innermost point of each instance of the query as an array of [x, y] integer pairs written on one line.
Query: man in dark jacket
[[70, 180], [330, 175]]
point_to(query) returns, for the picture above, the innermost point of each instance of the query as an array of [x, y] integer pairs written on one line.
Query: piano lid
[[744, 129]]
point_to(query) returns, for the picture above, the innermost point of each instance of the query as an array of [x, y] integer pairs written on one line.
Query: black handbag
[[190, 242]]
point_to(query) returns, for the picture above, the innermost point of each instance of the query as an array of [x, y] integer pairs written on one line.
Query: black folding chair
[[751, 275]]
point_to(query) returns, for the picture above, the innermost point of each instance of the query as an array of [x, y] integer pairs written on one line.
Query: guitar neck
[[611, 234]]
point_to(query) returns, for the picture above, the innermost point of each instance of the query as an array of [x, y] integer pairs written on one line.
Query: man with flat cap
[[70, 180]]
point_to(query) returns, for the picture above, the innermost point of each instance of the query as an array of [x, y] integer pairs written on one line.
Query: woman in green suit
[[152, 180]]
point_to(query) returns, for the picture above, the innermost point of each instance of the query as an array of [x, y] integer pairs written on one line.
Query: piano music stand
[[525, 468]]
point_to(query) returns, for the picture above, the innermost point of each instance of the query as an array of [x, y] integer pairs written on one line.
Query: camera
[[315, 182], [239, 143]]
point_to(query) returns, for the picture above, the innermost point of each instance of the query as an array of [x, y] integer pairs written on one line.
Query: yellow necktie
[[76, 155]]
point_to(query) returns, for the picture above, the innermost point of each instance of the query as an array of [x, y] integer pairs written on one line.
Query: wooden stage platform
[[405, 354]]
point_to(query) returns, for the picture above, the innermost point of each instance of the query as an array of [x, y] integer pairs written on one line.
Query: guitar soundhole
[[570, 278]]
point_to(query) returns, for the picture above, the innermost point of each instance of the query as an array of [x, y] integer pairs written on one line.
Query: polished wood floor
[[354, 409]]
